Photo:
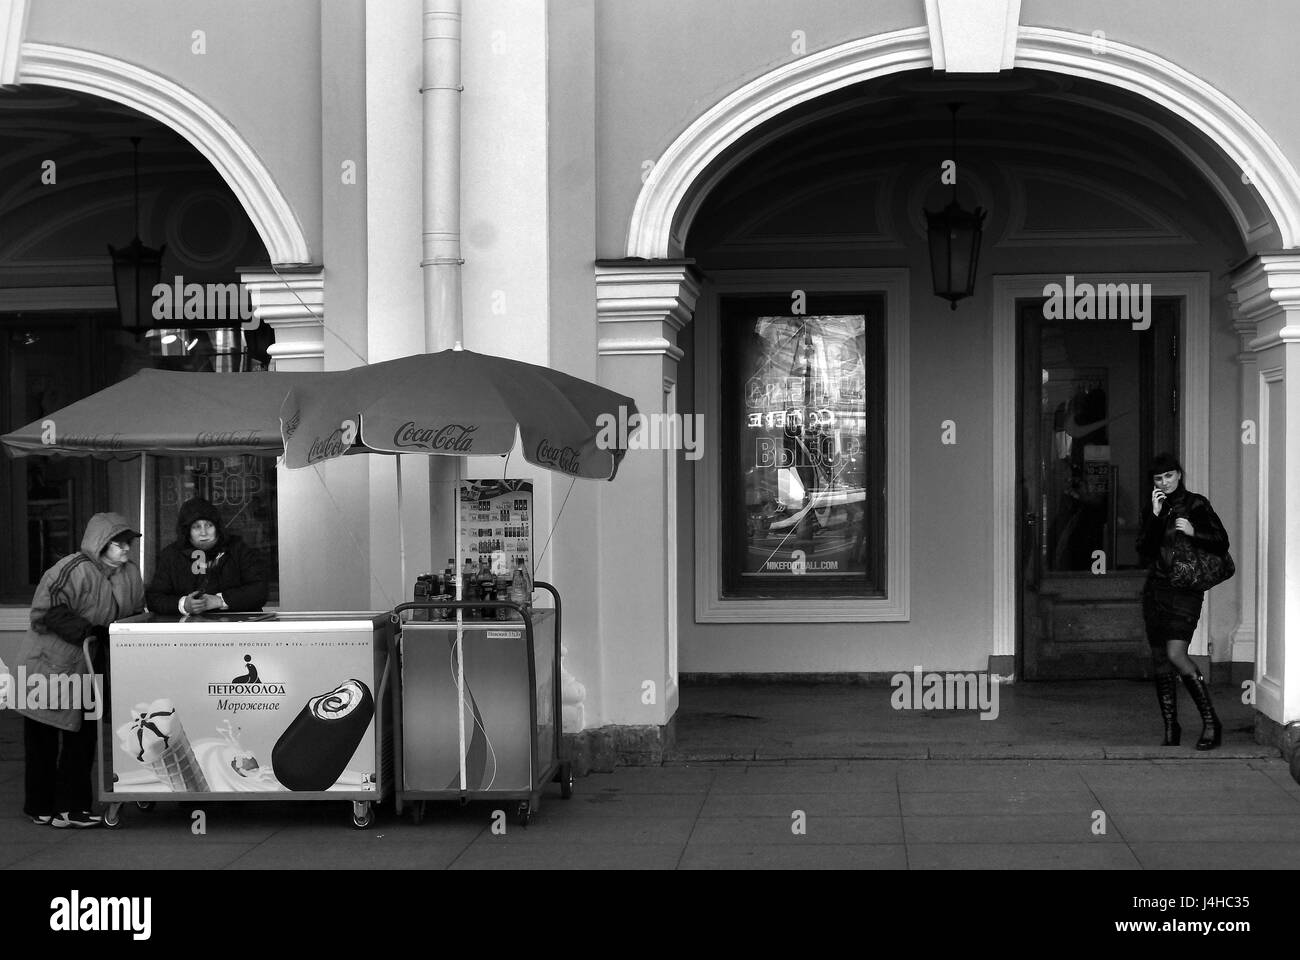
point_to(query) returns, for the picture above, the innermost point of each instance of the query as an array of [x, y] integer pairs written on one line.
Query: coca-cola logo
[[233, 438], [453, 437], [334, 445], [97, 441], [561, 458], [291, 425]]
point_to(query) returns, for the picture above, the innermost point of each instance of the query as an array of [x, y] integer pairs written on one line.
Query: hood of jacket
[[197, 509], [102, 528]]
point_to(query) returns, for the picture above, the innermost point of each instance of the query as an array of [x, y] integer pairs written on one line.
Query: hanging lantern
[[137, 269], [954, 234]]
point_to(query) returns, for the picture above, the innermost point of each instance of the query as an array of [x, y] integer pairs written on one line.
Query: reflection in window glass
[[803, 498], [242, 488]]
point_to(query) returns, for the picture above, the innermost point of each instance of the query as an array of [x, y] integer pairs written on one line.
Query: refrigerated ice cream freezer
[[251, 706]]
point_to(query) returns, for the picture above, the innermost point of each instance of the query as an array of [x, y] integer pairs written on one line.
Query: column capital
[[1266, 299], [292, 301], [651, 299], [1243, 328]]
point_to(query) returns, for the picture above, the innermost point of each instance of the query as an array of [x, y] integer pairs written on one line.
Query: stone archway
[[678, 182], [180, 110]]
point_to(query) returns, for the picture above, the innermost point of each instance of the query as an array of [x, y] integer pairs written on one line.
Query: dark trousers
[[59, 765]]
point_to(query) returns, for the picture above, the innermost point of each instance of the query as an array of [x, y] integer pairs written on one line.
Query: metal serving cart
[[501, 737], [246, 707]]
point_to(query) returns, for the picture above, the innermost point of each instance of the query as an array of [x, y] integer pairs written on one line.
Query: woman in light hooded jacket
[[77, 598]]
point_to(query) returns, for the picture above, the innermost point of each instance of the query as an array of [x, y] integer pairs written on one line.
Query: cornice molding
[[294, 306], [649, 292]]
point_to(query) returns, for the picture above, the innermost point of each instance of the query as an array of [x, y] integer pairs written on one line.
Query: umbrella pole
[[460, 626], [144, 474], [401, 530]]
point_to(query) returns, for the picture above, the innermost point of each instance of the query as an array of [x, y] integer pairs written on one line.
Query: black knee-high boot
[[1211, 730], [1167, 694]]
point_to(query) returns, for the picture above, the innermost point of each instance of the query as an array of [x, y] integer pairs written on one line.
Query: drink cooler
[[517, 750], [380, 733]]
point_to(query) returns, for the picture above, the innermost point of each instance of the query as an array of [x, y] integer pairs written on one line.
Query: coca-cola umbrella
[[456, 403]]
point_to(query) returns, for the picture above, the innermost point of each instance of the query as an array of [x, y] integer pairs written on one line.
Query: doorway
[[1097, 399]]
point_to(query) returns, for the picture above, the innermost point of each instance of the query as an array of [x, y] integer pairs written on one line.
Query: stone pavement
[[1068, 778], [888, 814]]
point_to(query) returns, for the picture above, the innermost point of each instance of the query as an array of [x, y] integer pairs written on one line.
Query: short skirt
[[1170, 613]]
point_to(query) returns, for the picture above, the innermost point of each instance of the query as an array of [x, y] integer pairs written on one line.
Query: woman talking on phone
[[1172, 612]]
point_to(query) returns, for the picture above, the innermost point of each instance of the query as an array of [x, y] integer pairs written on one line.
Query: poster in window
[[804, 447]]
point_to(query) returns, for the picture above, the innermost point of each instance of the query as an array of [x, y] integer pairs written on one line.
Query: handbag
[[1195, 568]]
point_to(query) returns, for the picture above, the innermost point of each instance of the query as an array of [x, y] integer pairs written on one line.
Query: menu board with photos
[[496, 522]]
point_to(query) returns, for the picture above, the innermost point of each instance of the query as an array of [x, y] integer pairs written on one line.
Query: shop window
[[51, 359], [242, 488], [803, 426], [801, 502]]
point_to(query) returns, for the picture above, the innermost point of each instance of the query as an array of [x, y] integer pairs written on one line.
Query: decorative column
[[1268, 298], [1242, 640], [292, 300], [641, 306]]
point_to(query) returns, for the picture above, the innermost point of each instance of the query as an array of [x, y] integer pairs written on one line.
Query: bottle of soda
[[486, 587], [468, 587], [521, 592]]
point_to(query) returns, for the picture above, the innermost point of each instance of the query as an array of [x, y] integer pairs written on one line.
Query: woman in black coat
[[1171, 613], [206, 569]]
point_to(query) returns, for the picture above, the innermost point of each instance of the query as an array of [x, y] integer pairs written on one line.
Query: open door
[[1097, 399]]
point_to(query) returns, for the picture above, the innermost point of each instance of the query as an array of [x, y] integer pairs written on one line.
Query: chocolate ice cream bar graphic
[[315, 749], [156, 738]]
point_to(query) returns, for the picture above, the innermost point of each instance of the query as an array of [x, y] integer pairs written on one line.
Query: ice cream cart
[[248, 706], [506, 742]]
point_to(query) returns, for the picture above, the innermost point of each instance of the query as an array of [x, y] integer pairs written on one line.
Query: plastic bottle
[[521, 587]]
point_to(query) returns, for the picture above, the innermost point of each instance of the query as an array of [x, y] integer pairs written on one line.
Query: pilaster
[[641, 306], [1242, 639], [1267, 289]]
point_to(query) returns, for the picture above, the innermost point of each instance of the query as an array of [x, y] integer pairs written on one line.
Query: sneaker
[[44, 819], [77, 818]]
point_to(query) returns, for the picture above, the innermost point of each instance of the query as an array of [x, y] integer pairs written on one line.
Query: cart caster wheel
[[417, 812], [566, 786], [145, 805], [525, 814], [112, 819], [362, 815]]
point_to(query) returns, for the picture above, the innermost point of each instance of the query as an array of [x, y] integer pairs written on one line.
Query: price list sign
[[496, 522]]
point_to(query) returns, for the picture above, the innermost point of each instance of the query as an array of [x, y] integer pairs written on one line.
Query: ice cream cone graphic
[[156, 738]]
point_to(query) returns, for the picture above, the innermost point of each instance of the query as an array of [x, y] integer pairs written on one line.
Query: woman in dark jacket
[[206, 569], [1171, 613]]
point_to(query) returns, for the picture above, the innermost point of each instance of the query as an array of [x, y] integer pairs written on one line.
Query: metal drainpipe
[[441, 89]]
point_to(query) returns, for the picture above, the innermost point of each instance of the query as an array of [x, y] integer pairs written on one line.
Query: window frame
[[710, 604]]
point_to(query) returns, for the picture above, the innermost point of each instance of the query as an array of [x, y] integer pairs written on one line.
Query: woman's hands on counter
[[202, 603]]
